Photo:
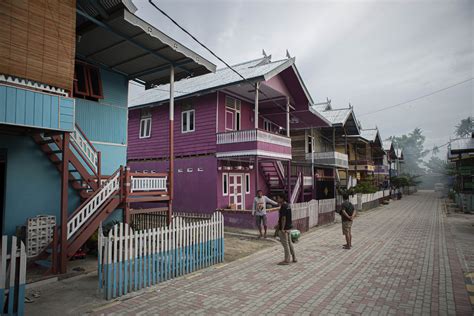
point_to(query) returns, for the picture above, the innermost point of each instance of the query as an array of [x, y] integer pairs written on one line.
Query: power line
[[418, 98], [255, 86]]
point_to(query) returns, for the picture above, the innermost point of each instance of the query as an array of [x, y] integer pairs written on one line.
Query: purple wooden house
[[230, 139]]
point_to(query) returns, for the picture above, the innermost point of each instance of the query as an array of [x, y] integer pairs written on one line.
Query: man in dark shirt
[[284, 226], [347, 215]]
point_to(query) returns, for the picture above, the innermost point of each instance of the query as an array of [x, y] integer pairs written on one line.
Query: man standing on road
[[284, 226], [347, 215], [260, 211]]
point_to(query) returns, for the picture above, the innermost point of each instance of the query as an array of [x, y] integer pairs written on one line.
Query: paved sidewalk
[[404, 261]]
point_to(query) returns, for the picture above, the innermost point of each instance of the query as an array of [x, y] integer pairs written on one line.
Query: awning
[[116, 39]]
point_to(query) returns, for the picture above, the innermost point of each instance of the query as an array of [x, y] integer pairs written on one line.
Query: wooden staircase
[[274, 175], [85, 161], [276, 180], [99, 198]]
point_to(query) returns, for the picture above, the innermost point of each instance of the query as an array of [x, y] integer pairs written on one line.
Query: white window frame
[[225, 184], [144, 122], [233, 120], [247, 183], [187, 114], [234, 105]]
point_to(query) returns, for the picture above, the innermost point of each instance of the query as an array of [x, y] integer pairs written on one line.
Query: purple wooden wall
[[193, 190], [244, 219], [202, 140], [223, 201]]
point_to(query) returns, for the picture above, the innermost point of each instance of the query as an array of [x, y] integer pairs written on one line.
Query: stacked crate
[[39, 234]]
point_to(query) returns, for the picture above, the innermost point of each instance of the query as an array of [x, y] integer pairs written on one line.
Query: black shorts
[[261, 219]]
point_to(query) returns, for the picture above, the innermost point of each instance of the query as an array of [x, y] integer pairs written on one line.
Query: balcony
[[329, 158], [22, 106], [253, 142], [362, 165]]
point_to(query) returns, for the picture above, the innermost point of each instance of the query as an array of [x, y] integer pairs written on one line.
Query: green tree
[[413, 150], [465, 127], [437, 166]]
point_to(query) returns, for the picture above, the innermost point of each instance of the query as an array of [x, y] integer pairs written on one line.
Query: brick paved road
[[404, 261]]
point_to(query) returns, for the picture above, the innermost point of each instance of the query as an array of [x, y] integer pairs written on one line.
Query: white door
[[236, 191]]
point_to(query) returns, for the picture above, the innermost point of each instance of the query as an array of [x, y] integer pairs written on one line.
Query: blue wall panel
[[25, 107], [106, 120], [113, 157], [33, 184], [3, 102], [20, 106]]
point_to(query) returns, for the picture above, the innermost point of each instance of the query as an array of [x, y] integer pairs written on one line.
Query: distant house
[[64, 73], [365, 152], [322, 152], [230, 139], [461, 154]]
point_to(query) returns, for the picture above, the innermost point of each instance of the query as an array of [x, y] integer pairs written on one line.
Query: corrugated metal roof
[[222, 77], [110, 35], [369, 134], [462, 144], [337, 116]]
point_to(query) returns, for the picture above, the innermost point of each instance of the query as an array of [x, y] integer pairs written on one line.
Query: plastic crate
[[39, 234]]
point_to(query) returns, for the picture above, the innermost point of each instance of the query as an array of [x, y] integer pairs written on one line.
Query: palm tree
[[465, 127]]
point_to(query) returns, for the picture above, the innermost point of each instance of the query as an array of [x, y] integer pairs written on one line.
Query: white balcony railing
[[252, 136], [141, 184], [331, 158]]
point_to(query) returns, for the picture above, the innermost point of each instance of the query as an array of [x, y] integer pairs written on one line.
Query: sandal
[[283, 263]]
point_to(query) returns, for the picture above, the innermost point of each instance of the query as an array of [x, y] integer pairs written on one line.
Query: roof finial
[[350, 105], [288, 54], [264, 53]]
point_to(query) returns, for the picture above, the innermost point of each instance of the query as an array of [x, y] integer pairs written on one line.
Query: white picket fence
[[12, 277], [311, 210], [129, 261]]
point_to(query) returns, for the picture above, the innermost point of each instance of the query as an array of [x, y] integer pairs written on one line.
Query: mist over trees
[[413, 151]]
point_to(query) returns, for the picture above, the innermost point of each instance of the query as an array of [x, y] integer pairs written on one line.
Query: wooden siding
[[298, 150], [37, 40], [298, 143], [201, 141], [35, 109], [106, 119]]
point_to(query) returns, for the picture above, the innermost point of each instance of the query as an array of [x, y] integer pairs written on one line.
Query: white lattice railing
[[332, 158], [280, 167], [92, 205], [148, 184], [295, 192], [252, 135], [83, 145]]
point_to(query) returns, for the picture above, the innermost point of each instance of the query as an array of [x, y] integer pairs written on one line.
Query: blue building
[[63, 111]]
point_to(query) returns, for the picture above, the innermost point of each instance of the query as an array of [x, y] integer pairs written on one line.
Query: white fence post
[[129, 261], [17, 276]]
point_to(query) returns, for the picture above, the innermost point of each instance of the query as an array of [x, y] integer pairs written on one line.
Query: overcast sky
[[369, 53]]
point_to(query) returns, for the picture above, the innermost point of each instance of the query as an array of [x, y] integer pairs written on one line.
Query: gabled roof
[[372, 135], [254, 70], [387, 145], [337, 117], [399, 153]]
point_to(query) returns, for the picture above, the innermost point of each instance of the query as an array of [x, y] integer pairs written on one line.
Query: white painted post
[[120, 240], [257, 87], [288, 116]]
